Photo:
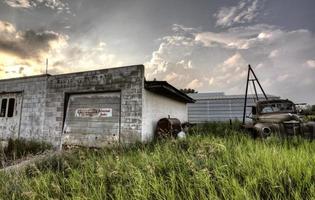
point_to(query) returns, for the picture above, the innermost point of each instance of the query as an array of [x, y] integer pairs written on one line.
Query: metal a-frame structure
[[253, 80]]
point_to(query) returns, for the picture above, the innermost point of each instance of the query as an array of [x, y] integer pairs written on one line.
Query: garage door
[[92, 119]]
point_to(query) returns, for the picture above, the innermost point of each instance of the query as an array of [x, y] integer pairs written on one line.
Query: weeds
[[19, 148], [221, 163]]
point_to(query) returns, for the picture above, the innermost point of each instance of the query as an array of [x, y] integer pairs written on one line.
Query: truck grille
[[292, 128]]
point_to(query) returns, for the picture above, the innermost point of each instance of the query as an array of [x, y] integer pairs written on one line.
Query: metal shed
[[219, 107]]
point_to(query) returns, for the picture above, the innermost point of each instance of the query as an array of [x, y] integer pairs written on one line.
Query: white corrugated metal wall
[[218, 107]]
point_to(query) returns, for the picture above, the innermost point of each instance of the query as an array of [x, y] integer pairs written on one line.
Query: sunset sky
[[200, 44]]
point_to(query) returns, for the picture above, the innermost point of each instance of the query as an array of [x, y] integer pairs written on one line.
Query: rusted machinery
[[274, 117], [168, 127], [278, 117]]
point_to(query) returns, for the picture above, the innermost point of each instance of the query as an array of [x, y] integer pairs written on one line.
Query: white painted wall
[[155, 107]]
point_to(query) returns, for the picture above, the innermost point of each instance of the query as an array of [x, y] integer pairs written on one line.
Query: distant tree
[[307, 109], [188, 90]]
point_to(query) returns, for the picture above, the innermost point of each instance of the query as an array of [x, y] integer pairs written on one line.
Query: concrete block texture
[[44, 101]]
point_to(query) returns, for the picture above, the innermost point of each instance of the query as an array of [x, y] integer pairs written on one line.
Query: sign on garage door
[[92, 119]]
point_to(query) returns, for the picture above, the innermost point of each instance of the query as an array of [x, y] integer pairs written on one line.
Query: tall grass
[[19, 148], [212, 165], [309, 118]]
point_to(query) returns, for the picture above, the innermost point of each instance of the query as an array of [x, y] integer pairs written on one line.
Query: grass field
[[20, 149], [214, 162], [310, 117]]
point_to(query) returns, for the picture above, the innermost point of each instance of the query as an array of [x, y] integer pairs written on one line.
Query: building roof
[[26, 77], [165, 89], [221, 95], [63, 74]]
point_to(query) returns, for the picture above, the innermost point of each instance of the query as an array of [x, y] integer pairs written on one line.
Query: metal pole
[[246, 91], [258, 82], [46, 65], [253, 81]]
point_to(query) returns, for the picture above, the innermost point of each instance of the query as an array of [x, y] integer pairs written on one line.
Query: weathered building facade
[[92, 108]]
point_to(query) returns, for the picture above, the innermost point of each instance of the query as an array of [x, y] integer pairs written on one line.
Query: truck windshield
[[279, 107]]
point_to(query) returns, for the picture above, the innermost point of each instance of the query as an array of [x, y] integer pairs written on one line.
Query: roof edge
[[62, 74], [26, 77], [166, 89]]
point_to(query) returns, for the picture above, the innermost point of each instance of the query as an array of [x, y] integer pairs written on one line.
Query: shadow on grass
[[19, 148]]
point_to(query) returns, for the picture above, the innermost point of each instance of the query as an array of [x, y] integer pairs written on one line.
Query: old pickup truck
[[278, 117]]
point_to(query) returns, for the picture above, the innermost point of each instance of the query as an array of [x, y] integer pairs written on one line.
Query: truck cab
[[279, 117]]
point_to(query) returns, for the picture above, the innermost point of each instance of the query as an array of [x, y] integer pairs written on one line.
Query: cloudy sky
[[200, 44]]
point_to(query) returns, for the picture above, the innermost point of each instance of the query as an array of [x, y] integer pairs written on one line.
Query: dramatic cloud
[[172, 61], [29, 44], [79, 57], [213, 55], [209, 61], [311, 63], [6, 28], [274, 53], [245, 11], [228, 75], [18, 3], [194, 84], [58, 5], [240, 37], [24, 53]]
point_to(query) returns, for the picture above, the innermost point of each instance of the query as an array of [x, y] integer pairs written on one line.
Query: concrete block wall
[[44, 96], [33, 104], [128, 80]]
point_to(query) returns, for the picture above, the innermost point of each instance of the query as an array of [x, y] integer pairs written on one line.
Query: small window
[[3, 107], [11, 107]]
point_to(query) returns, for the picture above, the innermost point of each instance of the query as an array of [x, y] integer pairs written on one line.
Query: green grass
[[310, 118], [19, 148], [219, 163]]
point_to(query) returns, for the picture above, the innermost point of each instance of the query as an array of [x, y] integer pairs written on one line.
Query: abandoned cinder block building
[[90, 108]]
